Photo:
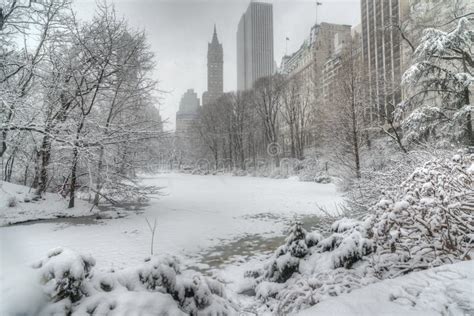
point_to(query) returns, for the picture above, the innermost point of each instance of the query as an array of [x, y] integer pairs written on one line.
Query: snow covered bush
[[349, 243], [429, 219], [12, 201], [309, 267], [382, 171], [309, 169], [304, 291], [318, 177], [63, 273], [425, 220], [346, 245], [239, 172], [200, 171], [286, 258], [157, 287], [194, 293]]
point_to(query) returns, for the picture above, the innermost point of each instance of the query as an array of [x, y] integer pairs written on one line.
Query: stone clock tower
[[215, 70]]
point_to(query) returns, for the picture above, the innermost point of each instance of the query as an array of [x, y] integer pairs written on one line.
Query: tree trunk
[[98, 186], [470, 135], [9, 167], [45, 154], [299, 141], [242, 154], [230, 148], [216, 159], [25, 174], [3, 148], [72, 188], [355, 141], [75, 155], [34, 184], [292, 141]]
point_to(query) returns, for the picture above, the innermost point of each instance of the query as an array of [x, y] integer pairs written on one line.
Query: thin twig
[[152, 230]]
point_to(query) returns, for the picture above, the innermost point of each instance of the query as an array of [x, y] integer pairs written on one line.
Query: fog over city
[[179, 31]]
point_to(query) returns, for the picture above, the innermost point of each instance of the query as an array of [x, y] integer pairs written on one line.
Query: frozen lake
[[194, 215]]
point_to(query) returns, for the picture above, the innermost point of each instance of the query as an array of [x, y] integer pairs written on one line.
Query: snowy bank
[[445, 290], [19, 204]]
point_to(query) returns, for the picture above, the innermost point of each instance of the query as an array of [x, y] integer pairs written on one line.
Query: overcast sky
[[179, 30]]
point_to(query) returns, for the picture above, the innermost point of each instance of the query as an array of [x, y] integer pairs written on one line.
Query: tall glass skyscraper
[[381, 51], [255, 45]]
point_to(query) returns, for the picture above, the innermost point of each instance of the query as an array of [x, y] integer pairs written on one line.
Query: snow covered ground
[[17, 204], [222, 224], [445, 290], [195, 213]]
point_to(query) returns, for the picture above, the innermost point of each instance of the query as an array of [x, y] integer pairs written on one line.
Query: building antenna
[[286, 46], [317, 4]]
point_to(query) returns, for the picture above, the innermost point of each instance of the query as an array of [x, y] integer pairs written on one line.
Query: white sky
[[179, 30]]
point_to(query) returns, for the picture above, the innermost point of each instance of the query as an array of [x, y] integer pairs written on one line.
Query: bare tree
[[125, 95], [18, 68], [346, 123], [91, 121], [242, 121], [267, 102], [296, 113], [209, 129], [121, 91]]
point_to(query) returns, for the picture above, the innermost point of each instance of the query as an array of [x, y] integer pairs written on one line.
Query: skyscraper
[[215, 70], [188, 112], [187, 122], [381, 51], [255, 44]]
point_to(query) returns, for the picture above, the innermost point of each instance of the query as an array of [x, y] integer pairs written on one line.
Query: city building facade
[[382, 54], [343, 46], [328, 41], [307, 65], [255, 45]]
